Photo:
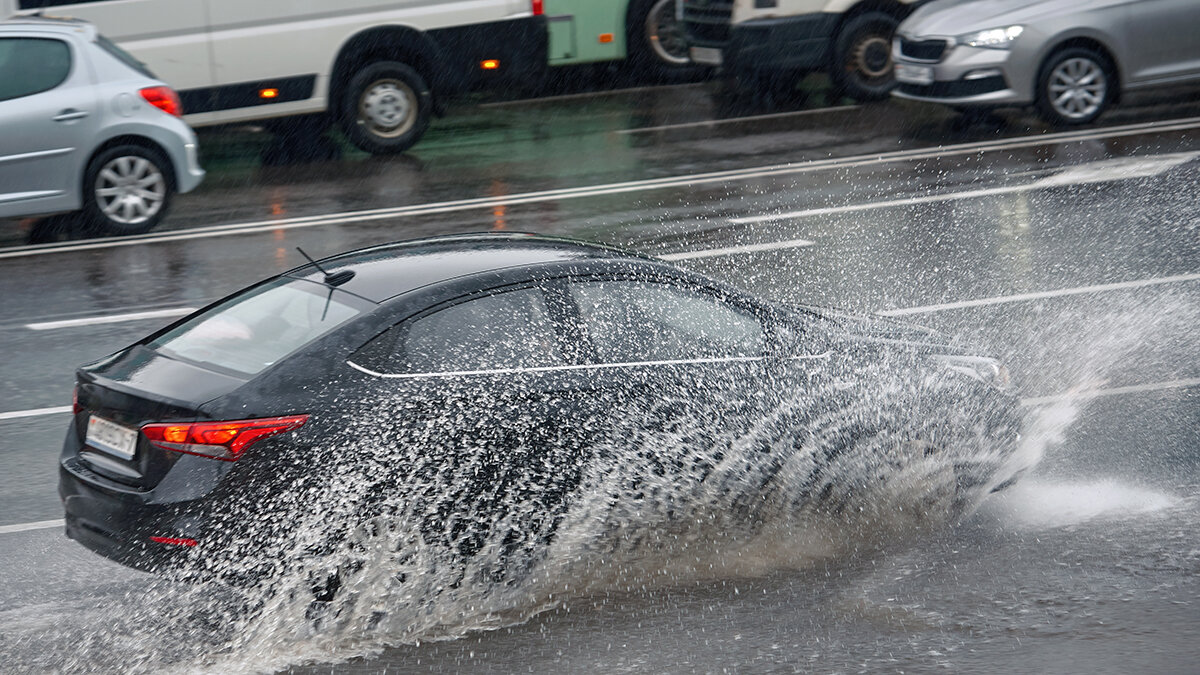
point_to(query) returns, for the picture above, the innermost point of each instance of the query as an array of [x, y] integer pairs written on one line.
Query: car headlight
[[992, 38], [981, 368]]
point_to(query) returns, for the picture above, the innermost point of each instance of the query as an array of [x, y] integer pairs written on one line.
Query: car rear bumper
[[117, 521]]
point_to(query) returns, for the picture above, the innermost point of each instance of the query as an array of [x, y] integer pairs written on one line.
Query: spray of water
[[474, 514]]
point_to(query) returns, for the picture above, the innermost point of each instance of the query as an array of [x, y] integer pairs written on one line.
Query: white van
[[779, 41], [379, 68]]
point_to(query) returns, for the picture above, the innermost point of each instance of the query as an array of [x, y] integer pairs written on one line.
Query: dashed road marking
[[733, 250], [111, 318], [1041, 295]]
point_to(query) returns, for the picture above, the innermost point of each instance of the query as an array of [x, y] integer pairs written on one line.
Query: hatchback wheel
[[1075, 86], [126, 190]]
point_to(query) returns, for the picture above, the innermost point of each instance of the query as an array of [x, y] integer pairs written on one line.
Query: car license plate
[[111, 437], [914, 74], [709, 56]]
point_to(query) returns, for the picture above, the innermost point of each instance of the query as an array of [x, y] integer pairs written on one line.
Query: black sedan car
[[491, 390]]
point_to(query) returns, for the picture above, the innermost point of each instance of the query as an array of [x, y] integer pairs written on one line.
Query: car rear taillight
[[76, 408], [218, 440], [163, 98], [537, 7]]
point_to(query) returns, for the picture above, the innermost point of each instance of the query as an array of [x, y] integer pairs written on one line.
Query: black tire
[[654, 41], [386, 108], [861, 65], [1083, 101], [127, 189]]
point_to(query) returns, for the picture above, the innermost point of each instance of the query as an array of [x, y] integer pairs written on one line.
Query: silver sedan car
[[85, 127], [1069, 58]]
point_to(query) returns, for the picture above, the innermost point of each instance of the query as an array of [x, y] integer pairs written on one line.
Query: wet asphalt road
[[1072, 257]]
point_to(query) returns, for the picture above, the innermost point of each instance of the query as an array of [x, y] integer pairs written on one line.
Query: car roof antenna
[[331, 280]]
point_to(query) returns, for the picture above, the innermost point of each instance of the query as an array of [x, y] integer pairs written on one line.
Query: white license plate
[[709, 56], [111, 437], [914, 74]]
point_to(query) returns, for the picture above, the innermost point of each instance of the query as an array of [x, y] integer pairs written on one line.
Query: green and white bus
[[646, 32]]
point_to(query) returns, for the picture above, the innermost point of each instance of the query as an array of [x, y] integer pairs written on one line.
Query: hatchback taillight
[[218, 440], [163, 98], [537, 7]]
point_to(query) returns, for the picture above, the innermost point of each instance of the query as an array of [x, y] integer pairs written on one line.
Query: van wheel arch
[[401, 44]]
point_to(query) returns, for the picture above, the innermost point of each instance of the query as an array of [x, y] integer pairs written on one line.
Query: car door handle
[[70, 115]]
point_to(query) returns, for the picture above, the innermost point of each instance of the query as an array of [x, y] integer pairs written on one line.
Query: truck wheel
[[386, 108], [654, 40], [1074, 86], [126, 190], [862, 57]]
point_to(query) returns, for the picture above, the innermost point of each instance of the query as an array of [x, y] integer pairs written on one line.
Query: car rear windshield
[[256, 329], [124, 56]]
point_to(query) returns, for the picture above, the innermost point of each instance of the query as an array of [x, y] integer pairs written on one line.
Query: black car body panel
[[562, 398]]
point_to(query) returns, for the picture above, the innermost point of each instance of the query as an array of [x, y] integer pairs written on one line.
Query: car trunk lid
[[138, 386]]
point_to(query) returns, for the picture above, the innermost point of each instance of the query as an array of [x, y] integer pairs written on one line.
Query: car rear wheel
[[862, 57], [126, 190], [1074, 87], [386, 108]]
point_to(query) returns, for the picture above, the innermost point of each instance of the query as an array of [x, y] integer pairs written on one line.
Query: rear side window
[[496, 332], [32, 65], [256, 329], [633, 321], [123, 56]]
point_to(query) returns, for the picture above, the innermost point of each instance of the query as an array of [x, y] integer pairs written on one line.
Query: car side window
[[32, 65], [507, 330], [633, 321]]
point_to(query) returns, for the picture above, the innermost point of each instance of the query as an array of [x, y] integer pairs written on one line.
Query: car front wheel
[[126, 190], [1074, 87], [386, 108]]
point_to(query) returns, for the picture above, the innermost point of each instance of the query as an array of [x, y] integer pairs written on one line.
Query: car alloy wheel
[[1077, 88], [130, 190], [665, 35]]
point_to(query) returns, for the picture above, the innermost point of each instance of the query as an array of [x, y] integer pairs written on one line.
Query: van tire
[[386, 108], [862, 57]]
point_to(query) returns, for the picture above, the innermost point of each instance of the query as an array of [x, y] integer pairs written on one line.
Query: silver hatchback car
[[85, 127], [1069, 58]]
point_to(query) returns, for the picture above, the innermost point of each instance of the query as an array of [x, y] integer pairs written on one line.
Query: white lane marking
[[1089, 394], [733, 250], [602, 190], [1104, 171], [25, 527], [36, 412], [731, 120], [1041, 295], [111, 318]]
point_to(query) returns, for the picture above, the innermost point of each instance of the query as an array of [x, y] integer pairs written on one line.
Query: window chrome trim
[[586, 366]]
